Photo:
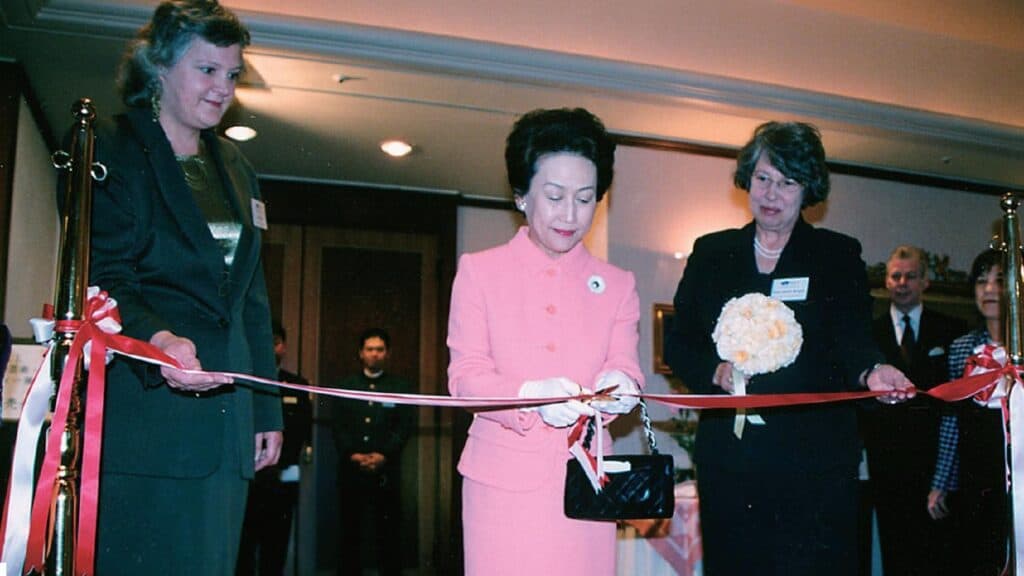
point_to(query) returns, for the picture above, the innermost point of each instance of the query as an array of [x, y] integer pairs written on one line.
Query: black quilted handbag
[[644, 491]]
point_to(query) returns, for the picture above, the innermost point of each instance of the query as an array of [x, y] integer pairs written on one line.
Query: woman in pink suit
[[541, 317]]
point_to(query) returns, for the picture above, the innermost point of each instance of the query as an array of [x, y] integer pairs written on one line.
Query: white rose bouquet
[[757, 335]]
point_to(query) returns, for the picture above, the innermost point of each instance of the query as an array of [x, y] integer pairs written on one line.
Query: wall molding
[[458, 56], [834, 167]]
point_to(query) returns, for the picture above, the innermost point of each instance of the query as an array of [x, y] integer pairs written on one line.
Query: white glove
[[624, 385], [561, 414]]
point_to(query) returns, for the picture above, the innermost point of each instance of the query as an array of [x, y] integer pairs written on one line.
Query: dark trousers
[[267, 528], [804, 528], [913, 544], [986, 521], [369, 512]]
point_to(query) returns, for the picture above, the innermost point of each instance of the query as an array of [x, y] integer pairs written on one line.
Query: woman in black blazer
[[782, 498], [176, 241]]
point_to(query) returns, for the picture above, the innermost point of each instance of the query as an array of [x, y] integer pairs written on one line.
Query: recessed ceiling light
[[396, 148], [240, 133]]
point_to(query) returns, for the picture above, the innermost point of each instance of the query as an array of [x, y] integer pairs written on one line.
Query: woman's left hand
[[622, 384], [268, 448], [886, 378]]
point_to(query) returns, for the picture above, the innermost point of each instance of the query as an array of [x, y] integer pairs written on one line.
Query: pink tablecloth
[[654, 547]]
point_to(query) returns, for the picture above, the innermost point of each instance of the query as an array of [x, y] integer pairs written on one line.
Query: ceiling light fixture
[[240, 133], [396, 148]]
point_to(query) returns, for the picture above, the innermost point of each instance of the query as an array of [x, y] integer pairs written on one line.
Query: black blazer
[[929, 363], [837, 348], [902, 440], [153, 252]]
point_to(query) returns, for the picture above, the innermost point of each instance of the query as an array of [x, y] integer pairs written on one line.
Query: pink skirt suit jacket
[[517, 315]]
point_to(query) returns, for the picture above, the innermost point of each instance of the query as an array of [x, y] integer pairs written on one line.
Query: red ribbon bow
[[990, 360], [100, 326]]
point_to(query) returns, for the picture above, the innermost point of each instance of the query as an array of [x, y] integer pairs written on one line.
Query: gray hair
[[906, 252], [164, 40]]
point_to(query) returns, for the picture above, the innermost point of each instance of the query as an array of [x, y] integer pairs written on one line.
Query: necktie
[[907, 343]]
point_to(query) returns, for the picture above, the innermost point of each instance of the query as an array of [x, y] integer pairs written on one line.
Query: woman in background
[[783, 498], [175, 241], [971, 451], [539, 317]]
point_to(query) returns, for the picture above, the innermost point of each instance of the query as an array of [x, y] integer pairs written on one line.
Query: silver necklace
[[765, 252]]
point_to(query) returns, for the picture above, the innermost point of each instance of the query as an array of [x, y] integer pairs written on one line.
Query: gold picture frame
[[663, 314]]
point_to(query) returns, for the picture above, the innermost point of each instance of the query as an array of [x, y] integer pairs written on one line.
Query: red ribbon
[[953, 391], [100, 310], [100, 314]]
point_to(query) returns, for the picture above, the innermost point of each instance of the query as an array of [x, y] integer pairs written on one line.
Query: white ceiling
[[925, 87]]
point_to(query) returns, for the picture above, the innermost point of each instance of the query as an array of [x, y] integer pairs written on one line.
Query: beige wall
[[32, 253]]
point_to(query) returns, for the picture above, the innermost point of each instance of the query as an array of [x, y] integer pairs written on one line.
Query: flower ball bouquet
[[757, 334]]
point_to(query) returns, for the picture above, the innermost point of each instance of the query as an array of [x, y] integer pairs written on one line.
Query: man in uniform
[[369, 437]]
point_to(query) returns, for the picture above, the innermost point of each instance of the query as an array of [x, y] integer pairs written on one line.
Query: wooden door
[[353, 280]]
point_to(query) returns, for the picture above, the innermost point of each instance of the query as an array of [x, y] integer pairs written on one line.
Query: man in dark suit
[[901, 440]]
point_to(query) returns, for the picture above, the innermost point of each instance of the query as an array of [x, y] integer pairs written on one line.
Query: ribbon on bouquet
[[739, 383]]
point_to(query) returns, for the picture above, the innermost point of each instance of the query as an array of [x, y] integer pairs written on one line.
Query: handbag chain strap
[[648, 429]]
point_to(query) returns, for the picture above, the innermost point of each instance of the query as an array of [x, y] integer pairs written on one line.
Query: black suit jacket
[[836, 322], [902, 440], [928, 361], [152, 251], [298, 420]]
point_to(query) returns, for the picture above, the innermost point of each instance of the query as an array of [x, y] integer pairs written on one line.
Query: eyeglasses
[[762, 181]]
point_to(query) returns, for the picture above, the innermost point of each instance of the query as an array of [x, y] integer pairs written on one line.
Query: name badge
[[259, 214], [387, 405], [790, 289]]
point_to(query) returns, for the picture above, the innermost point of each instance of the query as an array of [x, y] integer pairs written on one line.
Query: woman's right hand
[[184, 351], [723, 377], [561, 414]]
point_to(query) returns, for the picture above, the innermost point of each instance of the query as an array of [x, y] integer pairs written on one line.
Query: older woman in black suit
[[176, 240], [782, 498]]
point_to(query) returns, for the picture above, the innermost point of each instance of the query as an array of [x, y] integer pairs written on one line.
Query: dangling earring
[[154, 102]]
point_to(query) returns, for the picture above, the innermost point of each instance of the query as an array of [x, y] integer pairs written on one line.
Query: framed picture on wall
[[663, 315]]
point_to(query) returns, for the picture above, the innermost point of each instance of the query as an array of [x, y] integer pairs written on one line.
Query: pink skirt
[[516, 533]]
